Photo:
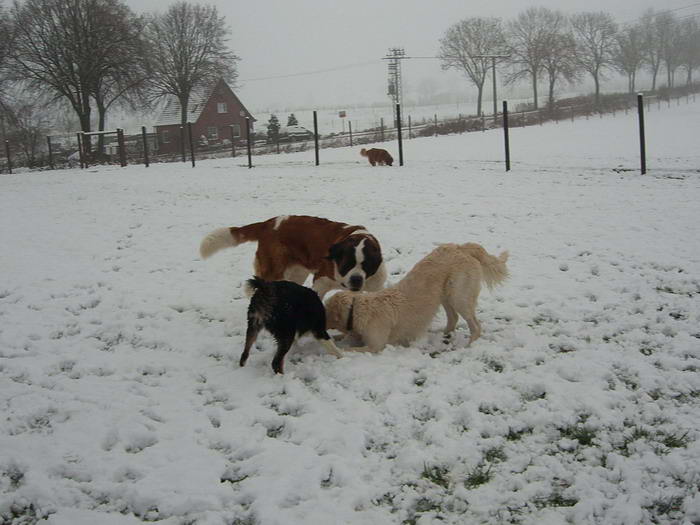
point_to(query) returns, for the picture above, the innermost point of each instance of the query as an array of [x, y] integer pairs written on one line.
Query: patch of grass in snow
[[478, 476], [436, 474], [556, 499], [517, 434], [494, 455], [579, 431], [666, 506]]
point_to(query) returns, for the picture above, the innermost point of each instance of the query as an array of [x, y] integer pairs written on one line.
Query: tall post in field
[[145, 146], [189, 133], [381, 125], [81, 157], [495, 100], [233, 142], [642, 141], [316, 135], [505, 134], [250, 149], [182, 143], [350, 129], [48, 143], [398, 133], [122, 147], [9, 158], [409, 127]]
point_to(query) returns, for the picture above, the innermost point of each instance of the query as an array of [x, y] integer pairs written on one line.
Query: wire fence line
[[63, 150]]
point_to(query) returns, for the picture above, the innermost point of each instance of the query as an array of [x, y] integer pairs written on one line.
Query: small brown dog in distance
[[377, 156]]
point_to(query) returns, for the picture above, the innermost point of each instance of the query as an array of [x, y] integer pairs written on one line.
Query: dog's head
[[355, 258], [338, 310], [363, 152]]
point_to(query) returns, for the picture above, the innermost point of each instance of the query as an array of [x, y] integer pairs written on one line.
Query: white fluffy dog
[[450, 275]]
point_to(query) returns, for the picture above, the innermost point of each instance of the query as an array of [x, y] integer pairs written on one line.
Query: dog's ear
[[334, 252]]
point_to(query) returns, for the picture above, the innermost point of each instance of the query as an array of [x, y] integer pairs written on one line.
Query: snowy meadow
[[123, 402]]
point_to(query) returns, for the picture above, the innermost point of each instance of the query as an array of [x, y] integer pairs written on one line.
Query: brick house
[[212, 113]]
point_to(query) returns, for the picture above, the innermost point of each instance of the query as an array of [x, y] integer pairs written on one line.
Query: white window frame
[[221, 107], [236, 130], [214, 135]]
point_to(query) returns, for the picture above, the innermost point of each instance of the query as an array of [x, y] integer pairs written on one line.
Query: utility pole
[[395, 87], [493, 66]]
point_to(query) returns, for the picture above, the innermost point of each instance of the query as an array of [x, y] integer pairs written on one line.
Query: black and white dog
[[287, 310]]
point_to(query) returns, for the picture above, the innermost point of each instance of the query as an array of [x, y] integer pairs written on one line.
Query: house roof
[[198, 100]]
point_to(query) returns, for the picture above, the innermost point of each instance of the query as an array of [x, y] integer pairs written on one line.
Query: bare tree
[[690, 47], [464, 45], [628, 55], [559, 59], [528, 37], [187, 51], [6, 43], [670, 41], [71, 48], [26, 124], [653, 44], [595, 43]]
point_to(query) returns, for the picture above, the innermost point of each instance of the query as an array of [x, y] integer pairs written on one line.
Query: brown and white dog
[[450, 275], [290, 247], [377, 156]]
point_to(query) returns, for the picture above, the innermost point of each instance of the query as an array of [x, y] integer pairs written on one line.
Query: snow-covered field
[[122, 400]]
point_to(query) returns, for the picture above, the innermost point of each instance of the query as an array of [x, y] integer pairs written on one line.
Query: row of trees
[[546, 45], [94, 55]]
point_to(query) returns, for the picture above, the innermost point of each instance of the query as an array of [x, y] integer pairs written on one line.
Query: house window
[[221, 107], [213, 133], [236, 130], [165, 137]]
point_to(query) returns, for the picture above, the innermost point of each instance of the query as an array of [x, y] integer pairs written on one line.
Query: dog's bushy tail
[[255, 284], [493, 268]]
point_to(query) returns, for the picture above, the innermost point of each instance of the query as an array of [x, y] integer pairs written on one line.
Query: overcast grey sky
[[288, 37]]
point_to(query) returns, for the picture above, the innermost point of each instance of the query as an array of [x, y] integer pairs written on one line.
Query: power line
[[314, 72], [666, 11]]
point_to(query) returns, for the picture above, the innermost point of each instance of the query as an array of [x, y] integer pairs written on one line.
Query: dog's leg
[[284, 343], [321, 334], [452, 317], [251, 335], [467, 309]]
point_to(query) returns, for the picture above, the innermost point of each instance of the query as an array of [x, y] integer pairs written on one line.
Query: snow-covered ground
[[122, 400]]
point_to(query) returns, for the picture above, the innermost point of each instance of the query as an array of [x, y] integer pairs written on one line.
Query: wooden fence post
[[81, 157], [398, 133], [350, 128], [182, 143], [48, 143], [249, 146], [233, 143], [642, 140], [145, 146], [9, 157], [189, 134], [122, 147], [505, 134], [316, 135]]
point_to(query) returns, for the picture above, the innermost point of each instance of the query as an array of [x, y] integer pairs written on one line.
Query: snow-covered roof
[[171, 111]]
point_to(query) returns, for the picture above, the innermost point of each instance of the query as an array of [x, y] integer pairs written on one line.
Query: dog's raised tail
[[253, 285], [228, 237], [494, 268]]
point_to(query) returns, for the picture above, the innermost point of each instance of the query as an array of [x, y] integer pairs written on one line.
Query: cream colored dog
[[450, 275]]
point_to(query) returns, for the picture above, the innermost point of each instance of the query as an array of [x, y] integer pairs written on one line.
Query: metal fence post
[[189, 133], [250, 149], [398, 133], [505, 134], [145, 146], [9, 158], [233, 143], [316, 135], [642, 141], [48, 143]]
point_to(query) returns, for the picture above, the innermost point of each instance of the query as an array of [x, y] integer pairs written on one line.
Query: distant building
[[212, 113]]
